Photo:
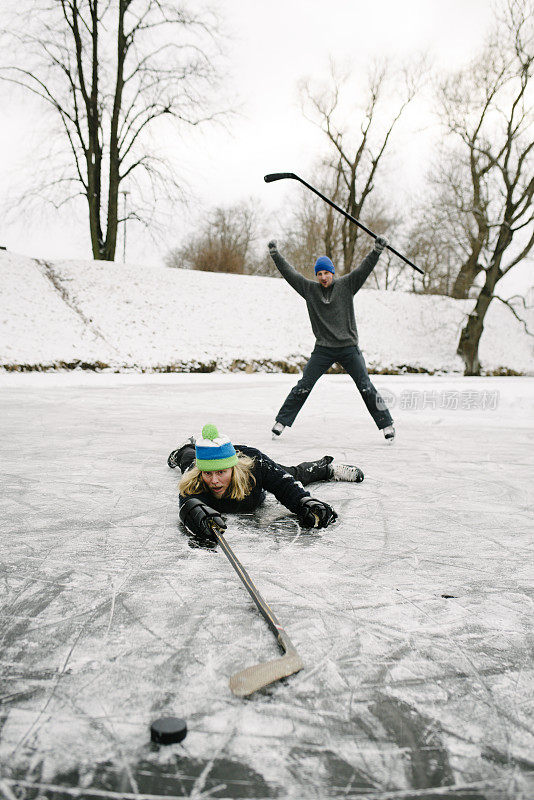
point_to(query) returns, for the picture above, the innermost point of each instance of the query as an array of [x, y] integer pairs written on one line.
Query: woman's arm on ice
[[276, 480]]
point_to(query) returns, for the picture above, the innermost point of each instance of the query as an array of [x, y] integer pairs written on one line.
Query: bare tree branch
[[508, 304]]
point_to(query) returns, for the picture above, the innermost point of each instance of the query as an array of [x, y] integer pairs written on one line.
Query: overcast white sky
[[273, 46]]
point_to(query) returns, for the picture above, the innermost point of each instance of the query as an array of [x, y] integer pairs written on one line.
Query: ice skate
[[277, 429], [173, 460], [389, 434], [345, 472]]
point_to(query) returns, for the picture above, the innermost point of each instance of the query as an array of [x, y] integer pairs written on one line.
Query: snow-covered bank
[[103, 314]]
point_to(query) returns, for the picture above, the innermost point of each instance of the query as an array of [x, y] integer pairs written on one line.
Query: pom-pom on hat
[[323, 262], [214, 451]]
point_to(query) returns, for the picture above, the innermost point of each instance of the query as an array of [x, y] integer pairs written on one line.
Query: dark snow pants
[[352, 361], [311, 471]]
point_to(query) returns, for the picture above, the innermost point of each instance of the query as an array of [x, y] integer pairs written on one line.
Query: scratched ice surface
[[412, 614]]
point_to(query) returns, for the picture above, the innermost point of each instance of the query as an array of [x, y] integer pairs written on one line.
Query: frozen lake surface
[[412, 614]]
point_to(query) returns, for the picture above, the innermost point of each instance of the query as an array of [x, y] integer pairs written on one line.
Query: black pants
[[311, 471], [352, 361]]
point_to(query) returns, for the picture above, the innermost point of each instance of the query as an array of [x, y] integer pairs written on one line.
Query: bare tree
[[226, 242], [488, 112], [358, 149], [437, 237], [112, 73]]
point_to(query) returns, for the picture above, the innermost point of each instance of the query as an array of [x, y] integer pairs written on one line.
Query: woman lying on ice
[[218, 478]]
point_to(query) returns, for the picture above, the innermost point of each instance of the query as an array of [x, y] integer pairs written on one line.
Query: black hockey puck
[[168, 730]]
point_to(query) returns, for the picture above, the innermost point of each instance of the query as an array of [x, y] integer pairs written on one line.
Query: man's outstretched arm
[[359, 275], [294, 278]]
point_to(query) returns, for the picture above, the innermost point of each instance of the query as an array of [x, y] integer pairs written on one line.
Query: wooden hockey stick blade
[[251, 679]]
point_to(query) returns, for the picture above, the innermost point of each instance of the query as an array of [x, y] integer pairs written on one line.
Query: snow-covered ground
[[412, 614], [134, 317]]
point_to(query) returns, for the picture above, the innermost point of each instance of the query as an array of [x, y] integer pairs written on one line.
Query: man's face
[[219, 481], [325, 277]]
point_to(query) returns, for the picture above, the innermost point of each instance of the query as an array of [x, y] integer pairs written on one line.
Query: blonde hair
[[241, 482]]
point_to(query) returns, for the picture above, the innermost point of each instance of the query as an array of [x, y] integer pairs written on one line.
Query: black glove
[[380, 243], [272, 246], [200, 518], [315, 514]]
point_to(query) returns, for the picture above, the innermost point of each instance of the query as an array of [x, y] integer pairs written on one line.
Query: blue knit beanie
[[323, 262], [214, 451]]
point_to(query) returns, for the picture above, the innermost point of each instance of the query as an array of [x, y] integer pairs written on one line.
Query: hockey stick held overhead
[[258, 676], [279, 176]]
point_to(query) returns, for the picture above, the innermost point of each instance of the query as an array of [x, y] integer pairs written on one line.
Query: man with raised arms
[[331, 310]]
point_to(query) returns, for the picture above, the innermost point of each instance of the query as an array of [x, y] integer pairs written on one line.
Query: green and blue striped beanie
[[214, 451]]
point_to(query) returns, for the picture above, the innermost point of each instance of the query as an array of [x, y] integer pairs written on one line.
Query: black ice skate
[[277, 429], [173, 460], [389, 434]]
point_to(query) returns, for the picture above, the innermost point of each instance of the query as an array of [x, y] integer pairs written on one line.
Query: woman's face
[[219, 481]]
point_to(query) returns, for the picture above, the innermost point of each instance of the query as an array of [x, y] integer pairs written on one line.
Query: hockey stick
[[251, 679], [278, 176]]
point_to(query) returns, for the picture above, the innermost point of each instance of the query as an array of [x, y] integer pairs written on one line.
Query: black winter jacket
[[270, 477]]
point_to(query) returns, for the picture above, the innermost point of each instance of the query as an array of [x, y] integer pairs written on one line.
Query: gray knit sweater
[[331, 310]]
